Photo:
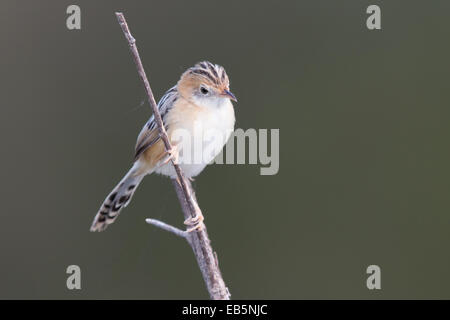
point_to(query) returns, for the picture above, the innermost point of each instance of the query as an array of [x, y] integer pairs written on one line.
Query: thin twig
[[167, 227], [151, 100], [199, 239]]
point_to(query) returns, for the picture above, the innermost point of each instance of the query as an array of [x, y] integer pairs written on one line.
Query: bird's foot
[[195, 223], [172, 155]]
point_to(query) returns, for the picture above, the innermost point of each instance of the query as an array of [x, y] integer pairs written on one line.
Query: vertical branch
[[154, 106], [206, 257], [198, 239]]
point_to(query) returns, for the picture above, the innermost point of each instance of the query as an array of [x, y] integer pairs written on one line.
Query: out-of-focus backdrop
[[364, 156]]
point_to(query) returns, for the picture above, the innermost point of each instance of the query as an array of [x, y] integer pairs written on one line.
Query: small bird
[[201, 99]]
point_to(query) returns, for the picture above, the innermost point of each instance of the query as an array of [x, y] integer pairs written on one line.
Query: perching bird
[[197, 108]]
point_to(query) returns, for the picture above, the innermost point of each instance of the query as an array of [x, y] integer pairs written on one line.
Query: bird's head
[[206, 84]]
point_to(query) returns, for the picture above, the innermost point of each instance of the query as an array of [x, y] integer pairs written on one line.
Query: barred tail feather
[[116, 200]]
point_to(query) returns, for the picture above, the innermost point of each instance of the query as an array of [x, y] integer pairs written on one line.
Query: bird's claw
[[195, 223], [172, 154]]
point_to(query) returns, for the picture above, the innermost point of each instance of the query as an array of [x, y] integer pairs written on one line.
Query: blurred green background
[[364, 157]]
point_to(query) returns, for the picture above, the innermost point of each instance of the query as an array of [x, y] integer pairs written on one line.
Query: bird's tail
[[116, 200]]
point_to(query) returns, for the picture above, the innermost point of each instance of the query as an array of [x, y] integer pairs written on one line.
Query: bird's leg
[[195, 222], [171, 154]]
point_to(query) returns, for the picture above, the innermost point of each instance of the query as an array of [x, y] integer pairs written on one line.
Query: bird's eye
[[204, 90]]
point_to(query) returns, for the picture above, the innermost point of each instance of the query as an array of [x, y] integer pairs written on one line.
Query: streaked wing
[[150, 134]]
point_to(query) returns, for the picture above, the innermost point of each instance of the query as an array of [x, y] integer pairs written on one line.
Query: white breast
[[201, 137]]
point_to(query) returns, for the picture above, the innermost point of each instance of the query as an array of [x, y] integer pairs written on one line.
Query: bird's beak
[[229, 95]]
